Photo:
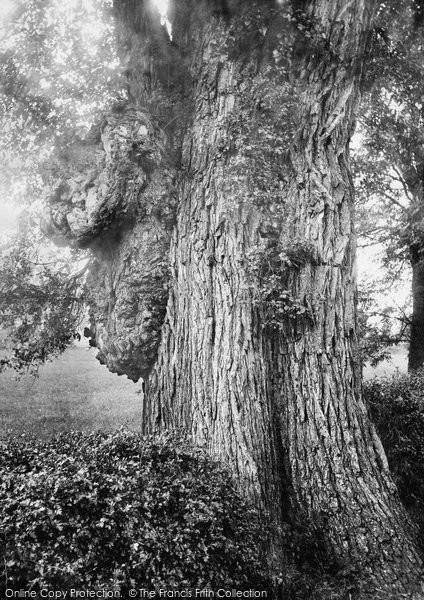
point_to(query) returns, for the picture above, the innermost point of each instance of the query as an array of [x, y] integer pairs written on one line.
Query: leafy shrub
[[269, 264], [104, 510], [397, 409]]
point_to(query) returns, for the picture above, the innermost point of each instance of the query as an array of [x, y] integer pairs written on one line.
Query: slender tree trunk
[[414, 176], [416, 343]]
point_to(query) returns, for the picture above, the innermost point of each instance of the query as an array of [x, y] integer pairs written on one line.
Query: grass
[[73, 392], [396, 365]]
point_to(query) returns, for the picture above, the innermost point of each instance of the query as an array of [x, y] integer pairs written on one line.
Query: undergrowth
[[119, 511], [396, 405]]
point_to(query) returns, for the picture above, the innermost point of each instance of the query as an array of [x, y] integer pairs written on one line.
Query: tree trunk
[[413, 174], [211, 377], [282, 403], [337, 468], [416, 343], [258, 356]]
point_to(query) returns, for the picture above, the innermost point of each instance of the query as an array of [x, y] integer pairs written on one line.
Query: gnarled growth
[[113, 192]]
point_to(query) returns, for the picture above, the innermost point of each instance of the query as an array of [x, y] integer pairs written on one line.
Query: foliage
[[119, 510], [388, 160], [381, 205], [41, 299], [380, 327], [123, 511], [397, 409], [58, 70], [269, 264]]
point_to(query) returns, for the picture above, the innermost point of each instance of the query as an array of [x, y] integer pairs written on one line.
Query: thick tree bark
[[306, 437], [211, 375], [338, 472], [258, 358]]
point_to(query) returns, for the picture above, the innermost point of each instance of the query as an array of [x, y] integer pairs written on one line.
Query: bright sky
[[9, 214], [162, 6], [6, 8], [370, 267]]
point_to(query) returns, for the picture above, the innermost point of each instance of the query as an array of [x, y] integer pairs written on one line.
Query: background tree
[[384, 295], [390, 157], [41, 300]]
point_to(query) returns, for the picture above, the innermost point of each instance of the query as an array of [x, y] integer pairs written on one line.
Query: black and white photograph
[[212, 299]]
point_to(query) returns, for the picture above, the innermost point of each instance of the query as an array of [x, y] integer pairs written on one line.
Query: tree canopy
[[58, 71]]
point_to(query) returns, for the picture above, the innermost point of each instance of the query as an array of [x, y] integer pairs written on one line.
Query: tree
[[218, 205], [391, 157], [384, 301], [41, 299]]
